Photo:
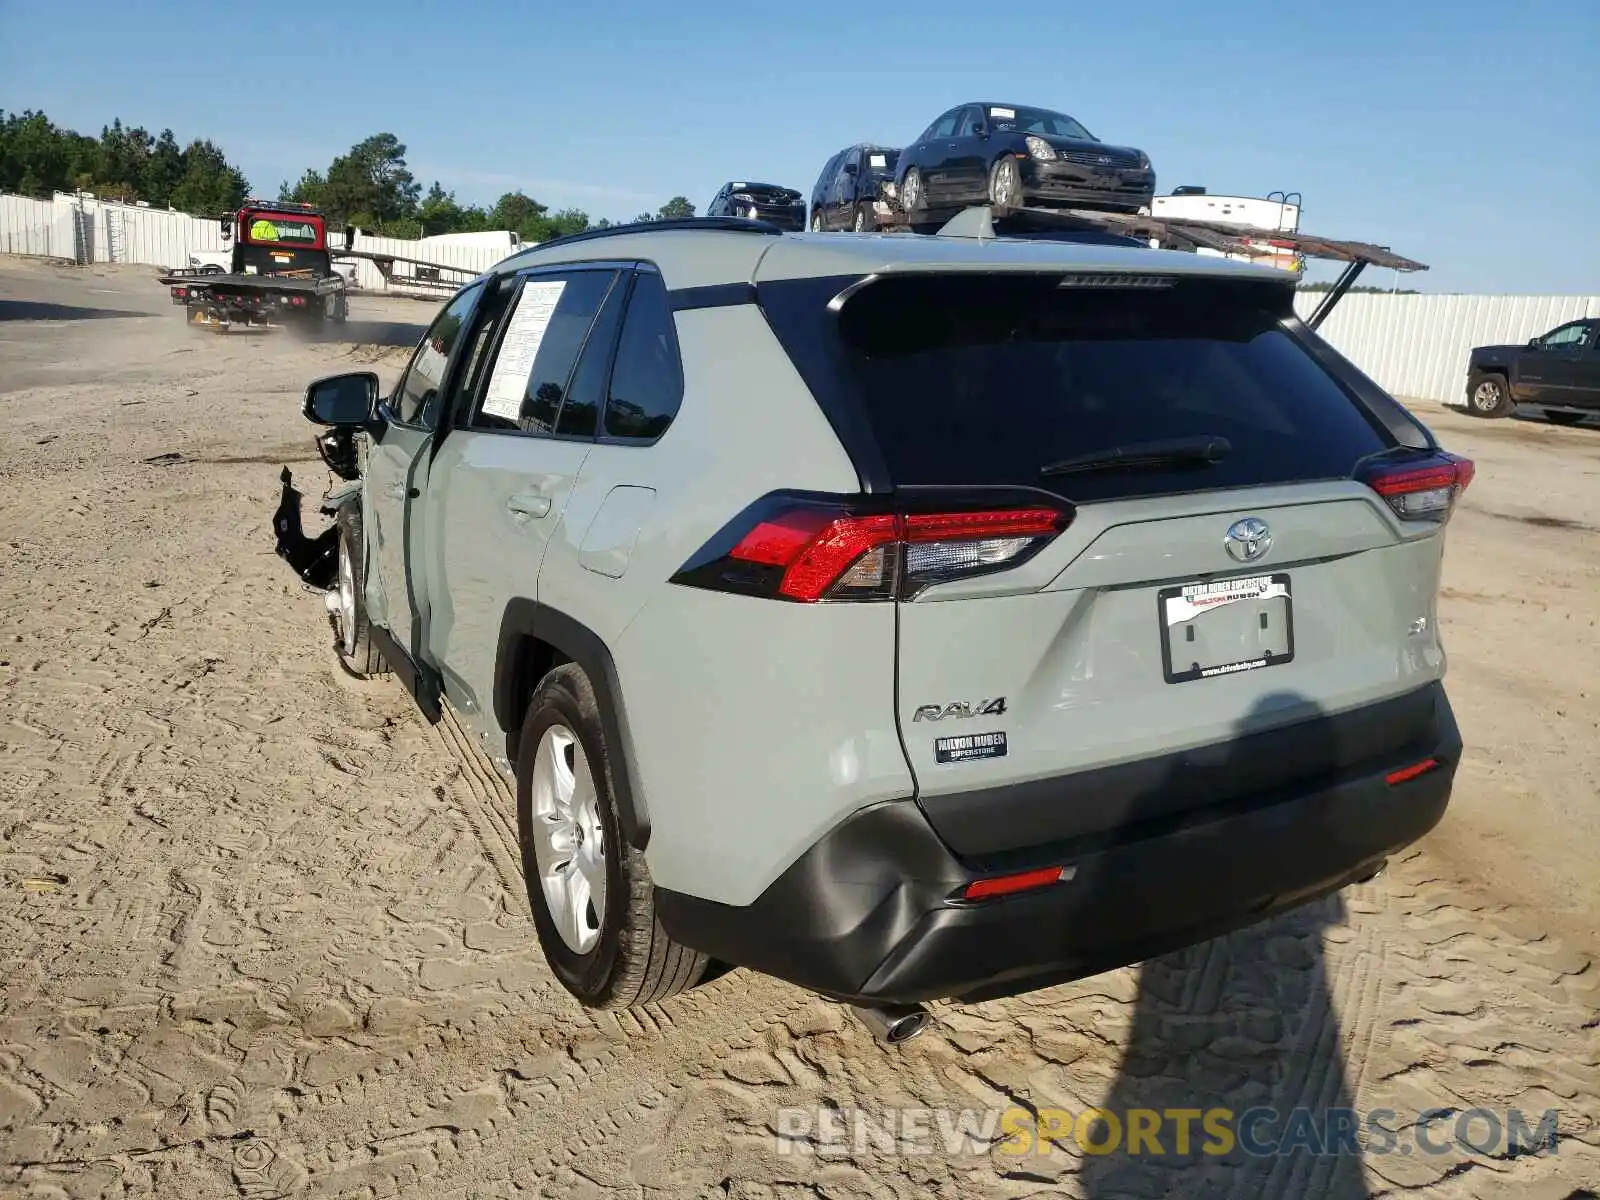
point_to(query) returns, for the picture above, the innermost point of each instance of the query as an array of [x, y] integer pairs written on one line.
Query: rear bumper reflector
[[1406, 774], [1023, 881]]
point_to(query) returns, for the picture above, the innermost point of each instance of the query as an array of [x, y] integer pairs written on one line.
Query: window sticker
[[520, 346], [1003, 114]]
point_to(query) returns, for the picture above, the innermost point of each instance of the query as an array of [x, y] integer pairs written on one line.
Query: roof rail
[[665, 225]]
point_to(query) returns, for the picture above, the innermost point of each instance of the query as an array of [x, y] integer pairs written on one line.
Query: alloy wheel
[[346, 611], [1006, 189], [568, 839]]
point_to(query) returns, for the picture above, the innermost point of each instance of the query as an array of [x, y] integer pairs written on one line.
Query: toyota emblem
[[1248, 540]]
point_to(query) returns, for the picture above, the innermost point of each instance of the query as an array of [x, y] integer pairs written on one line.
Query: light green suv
[[908, 617]]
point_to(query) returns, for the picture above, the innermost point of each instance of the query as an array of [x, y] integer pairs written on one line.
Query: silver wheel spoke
[[577, 906]]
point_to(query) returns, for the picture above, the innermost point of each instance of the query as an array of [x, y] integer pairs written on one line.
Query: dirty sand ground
[[262, 931]]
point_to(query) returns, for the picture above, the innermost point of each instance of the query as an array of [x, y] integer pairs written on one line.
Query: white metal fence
[[1414, 346], [85, 229]]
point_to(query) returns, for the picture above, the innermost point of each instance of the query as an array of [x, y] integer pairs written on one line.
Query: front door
[[503, 474], [397, 474], [1542, 367], [841, 205]]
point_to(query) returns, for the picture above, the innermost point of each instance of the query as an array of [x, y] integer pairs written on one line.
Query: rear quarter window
[[984, 380]]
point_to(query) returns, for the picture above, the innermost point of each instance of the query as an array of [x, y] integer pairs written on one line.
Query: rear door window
[[541, 337], [986, 380]]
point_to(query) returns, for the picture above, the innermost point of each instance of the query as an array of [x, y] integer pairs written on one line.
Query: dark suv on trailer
[[1013, 156], [855, 188], [781, 206]]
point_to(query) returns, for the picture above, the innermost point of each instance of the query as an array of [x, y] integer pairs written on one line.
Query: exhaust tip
[[1379, 869], [895, 1024]]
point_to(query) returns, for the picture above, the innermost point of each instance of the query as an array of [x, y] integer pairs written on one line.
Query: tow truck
[[280, 269]]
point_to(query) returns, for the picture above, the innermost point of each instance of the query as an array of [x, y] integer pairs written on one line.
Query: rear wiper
[[1142, 455]]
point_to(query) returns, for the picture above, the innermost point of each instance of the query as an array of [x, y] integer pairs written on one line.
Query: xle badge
[[983, 708], [970, 746]]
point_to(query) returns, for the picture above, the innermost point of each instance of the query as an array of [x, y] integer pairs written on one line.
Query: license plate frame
[[1275, 592]]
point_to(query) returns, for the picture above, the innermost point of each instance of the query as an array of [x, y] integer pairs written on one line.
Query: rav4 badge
[[960, 708]]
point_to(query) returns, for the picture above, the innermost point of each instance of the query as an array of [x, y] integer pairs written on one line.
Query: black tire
[[817, 225], [357, 652], [1488, 395], [633, 961], [1563, 418], [1013, 184], [863, 221]]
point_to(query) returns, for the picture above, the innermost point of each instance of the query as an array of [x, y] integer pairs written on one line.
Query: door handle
[[526, 505]]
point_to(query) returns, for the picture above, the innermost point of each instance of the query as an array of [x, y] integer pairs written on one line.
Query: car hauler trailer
[[1227, 237]]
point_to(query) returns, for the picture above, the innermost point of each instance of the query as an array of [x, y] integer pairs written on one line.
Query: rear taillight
[[1421, 489], [807, 550]]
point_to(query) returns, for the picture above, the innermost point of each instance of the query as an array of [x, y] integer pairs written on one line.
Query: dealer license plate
[[1225, 626]]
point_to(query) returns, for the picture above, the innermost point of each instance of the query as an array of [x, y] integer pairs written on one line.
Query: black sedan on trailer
[[1015, 156], [783, 207]]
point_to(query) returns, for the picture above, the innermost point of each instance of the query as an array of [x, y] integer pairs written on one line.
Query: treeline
[[369, 187], [38, 157]]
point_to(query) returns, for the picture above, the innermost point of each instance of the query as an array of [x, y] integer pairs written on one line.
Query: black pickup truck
[[1557, 371]]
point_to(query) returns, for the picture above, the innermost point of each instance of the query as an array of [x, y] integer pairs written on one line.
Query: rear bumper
[[869, 913]]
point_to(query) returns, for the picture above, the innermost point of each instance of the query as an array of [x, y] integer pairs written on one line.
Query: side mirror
[[1534, 343], [347, 400], [980, 131]]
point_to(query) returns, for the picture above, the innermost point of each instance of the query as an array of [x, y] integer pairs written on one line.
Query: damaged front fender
[[314, 559], [336, 498]]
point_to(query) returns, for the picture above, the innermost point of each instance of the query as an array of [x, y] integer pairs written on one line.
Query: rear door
[[1184, 604], [934, 156], [1587, 392], [1569, 369], [397, 472], [966, 169], [505, 472]]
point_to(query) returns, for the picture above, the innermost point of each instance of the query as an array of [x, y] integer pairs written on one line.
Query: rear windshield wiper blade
[[1174, 452]]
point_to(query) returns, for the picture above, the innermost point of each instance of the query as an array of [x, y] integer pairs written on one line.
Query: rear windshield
[[281, 230], [882, 162], [987, 380]]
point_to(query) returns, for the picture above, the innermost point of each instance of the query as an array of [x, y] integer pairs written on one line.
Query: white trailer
[[1277, 213]]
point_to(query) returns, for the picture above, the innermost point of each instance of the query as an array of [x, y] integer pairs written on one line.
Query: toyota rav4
[[907, 617]]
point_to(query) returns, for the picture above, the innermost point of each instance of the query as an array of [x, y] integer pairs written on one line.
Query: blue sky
[[1462, 134]]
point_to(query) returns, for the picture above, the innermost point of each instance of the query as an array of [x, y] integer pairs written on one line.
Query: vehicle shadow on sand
[[1244, 1022], [365, 333], [38, 310]]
